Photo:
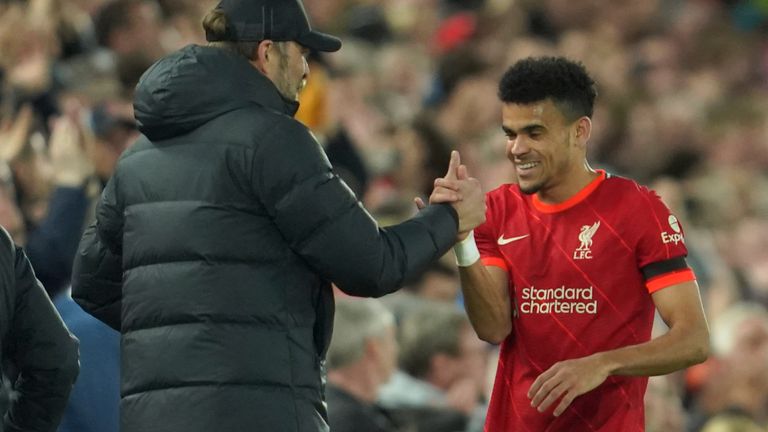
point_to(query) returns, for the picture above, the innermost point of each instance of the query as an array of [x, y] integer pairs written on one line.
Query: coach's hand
[[565, 381], [462, 192]]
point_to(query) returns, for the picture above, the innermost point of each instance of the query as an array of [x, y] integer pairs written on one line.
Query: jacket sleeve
[[97, 273], [43, 351], [323, 222]]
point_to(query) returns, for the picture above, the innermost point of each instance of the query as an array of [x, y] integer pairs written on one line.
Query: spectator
[[738, 381], [128, 27], [361, 357], [443, 366]]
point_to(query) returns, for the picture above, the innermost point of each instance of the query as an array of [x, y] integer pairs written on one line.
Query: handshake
[[462, 192]]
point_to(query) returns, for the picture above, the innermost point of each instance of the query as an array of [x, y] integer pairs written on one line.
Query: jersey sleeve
[[485, 234], [661, 249]]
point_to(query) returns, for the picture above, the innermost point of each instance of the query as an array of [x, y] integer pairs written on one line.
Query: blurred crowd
[[682, 108]]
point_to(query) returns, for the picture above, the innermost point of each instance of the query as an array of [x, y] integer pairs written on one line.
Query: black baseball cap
[[277, 20]]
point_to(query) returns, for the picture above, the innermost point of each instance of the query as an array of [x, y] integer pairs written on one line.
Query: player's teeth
[[528, 165]]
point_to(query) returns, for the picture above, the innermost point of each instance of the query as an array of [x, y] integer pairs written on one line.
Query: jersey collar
[[572, 201]]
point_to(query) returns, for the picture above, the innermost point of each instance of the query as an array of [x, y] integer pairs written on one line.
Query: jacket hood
[[196, 84]]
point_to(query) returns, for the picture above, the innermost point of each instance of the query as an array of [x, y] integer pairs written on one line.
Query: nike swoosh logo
[[503, 241]]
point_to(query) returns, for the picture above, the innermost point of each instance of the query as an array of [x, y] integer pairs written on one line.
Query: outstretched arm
[[323, 222]]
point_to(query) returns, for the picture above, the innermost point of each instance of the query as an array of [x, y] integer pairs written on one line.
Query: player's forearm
[[677, 349], [487, 303]]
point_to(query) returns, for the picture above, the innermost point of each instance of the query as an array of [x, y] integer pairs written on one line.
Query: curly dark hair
[[565, 82]]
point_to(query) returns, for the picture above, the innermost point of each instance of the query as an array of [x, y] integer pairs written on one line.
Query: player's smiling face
[[539, 144]]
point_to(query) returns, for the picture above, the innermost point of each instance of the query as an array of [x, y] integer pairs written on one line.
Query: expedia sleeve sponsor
[[676, 236], [672, 238], [558, 300]]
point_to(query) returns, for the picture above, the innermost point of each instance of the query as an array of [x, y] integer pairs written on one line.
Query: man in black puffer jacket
[[218, 236], [37, 349]]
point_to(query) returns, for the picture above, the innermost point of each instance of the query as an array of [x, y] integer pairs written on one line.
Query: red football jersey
[[581, 274]]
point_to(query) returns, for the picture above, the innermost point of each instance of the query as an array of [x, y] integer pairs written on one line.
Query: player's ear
[[581, 131]]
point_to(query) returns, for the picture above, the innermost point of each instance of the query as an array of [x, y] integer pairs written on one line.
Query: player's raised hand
[[463, 193], [446, 188], [565, 381]]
